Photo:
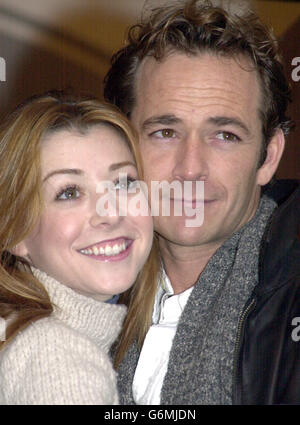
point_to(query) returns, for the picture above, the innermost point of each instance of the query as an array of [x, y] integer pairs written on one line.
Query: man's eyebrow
[[63, 171], [160, 119], [170, 119], [220, 121], [118, 165]]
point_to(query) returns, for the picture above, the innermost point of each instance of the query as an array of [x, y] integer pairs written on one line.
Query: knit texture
[[63, 359], [200, 369], [212, 317]]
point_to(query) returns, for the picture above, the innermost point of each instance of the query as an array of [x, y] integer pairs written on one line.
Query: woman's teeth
[[108, 250]]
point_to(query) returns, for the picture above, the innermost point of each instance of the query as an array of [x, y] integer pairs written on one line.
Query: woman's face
[[94, 254]]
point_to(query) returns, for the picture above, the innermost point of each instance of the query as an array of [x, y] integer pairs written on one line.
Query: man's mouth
[[107, 248], [192, 202]]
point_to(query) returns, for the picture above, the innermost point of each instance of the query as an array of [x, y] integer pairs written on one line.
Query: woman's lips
[[109, 250]]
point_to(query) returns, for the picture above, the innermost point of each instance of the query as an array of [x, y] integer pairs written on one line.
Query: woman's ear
[[275, 150], [20, 250]]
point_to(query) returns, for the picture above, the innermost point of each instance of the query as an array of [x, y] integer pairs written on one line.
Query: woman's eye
[[166, 133], [69, 193], [226, 136], [125, 184]]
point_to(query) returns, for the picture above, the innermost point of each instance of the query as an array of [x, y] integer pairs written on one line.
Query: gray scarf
[[201, 360]]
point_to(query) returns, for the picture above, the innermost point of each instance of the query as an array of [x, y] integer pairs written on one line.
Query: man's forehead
[[151, 70], [199, 75]]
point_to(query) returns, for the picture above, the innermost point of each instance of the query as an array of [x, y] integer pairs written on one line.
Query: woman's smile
[[110, 250]]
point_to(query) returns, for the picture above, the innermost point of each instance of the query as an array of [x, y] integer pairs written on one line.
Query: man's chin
[[185, 236]]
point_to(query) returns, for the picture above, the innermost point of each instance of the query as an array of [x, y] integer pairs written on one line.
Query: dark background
[[74, 52]]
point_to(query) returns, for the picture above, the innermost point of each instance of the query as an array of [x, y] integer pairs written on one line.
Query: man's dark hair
[[193, 27]]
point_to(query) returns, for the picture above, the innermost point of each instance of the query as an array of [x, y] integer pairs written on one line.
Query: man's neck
[[184, 264]]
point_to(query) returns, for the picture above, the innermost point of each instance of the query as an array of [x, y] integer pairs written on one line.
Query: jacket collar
[[280, 250]]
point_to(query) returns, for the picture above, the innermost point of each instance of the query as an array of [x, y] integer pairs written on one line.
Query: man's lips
[[192, 202], [108, 248]]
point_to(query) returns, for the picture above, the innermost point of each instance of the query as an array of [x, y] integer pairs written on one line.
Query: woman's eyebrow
[[63, 171], [118, 165], [78, 172]]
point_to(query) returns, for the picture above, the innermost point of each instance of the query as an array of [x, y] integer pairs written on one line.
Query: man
[[205, 91]]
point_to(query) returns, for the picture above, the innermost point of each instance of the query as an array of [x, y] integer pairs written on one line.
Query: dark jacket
[[268, 351], [267, 355]]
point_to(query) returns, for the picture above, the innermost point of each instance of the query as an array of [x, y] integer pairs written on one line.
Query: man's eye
[[166, 133], [69, 193], [226, 136]]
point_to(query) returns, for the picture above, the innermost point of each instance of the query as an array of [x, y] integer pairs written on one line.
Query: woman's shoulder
[[47, 353], [47, 334]]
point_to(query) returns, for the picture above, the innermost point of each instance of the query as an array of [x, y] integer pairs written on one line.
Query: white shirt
[[153, 362]]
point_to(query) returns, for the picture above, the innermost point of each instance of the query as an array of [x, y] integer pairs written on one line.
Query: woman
[[63, 255]]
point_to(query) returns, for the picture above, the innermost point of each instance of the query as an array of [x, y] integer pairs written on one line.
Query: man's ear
[[275, 150]]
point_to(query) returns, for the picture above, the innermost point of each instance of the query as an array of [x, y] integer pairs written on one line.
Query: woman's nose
[[105, 211]]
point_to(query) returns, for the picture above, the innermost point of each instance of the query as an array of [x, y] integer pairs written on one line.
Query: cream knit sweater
[[63, 359]]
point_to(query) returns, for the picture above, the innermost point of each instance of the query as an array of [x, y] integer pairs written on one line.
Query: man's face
[[198, 120]]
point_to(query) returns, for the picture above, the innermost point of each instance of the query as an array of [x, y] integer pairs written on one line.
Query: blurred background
[[67, 44]]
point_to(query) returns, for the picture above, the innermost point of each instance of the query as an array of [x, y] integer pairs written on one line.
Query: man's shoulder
[[286, 193], [280, 248], [281, 190]]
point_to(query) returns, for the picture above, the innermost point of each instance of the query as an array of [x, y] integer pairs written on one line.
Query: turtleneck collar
[[98, 320]]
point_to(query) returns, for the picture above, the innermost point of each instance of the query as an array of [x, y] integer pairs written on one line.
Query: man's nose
[[191, 162]]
